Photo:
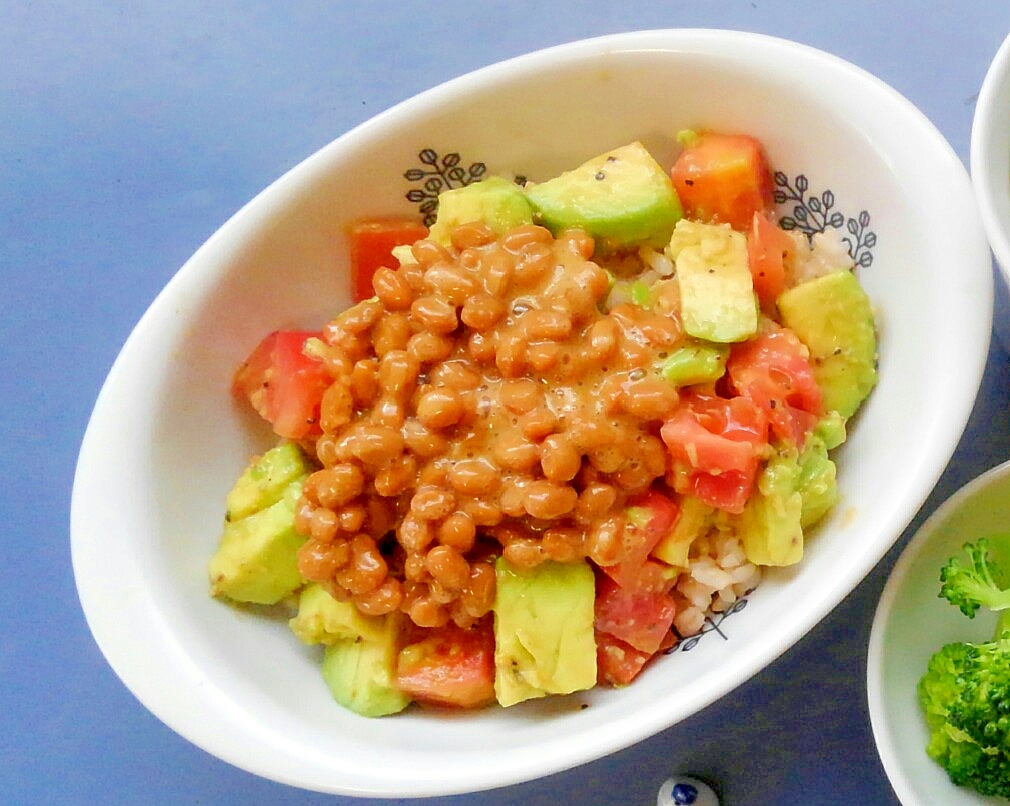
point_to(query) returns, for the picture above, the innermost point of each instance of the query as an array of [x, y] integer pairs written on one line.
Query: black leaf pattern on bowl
[[713, 624], [438, 175], [814, 213], [810, 214]]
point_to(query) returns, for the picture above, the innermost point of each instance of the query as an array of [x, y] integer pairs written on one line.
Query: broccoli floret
[[965, 695], [965, 692], [972, 586]]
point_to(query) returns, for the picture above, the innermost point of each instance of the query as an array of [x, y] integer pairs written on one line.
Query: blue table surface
[[130, 131]]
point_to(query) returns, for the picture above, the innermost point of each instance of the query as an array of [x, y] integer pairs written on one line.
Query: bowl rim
[[876, 689], [695, 40], [991, 129]]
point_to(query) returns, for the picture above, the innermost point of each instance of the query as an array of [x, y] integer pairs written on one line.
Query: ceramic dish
[[912, 622], [166, 440], [990, 174]]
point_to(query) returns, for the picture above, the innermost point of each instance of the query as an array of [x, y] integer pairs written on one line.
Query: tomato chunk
[[724, 178], [372, 244], [715, 444], [283, 384], [769, 247], [727, 491], [617, 662], [773, 370], [649, 517], [639, 618], [451, 666], [640, 574]]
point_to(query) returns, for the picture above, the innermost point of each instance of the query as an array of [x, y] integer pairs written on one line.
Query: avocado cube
[[622, 197], [770, 527], [257, 558], [833, 317], [717, 298], [817, 482], [361, 672], [263, 482], [321, 619], [543, 626], [831, 430], [697, 362], [694, 520], [496, 201]]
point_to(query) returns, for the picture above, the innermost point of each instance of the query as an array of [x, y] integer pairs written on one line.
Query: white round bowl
[[166, 440], [912, 622], [990, 174]]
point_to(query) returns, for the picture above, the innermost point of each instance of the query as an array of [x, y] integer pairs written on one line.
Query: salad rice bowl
[[168, 439]]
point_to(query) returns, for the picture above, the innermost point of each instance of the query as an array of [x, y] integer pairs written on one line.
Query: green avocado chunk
[[793, 493], [622, 197], [263, 482], [695, 519], [257, 557], [817, 482], [695, 362], [496, 201], [770, 527], [717, 297], [361, 672], [543, 626], [833, 317], [321, 619]]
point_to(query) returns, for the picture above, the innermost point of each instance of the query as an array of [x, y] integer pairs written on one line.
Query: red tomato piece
[[283, 384], [617, 663], [372, 244], [715, 444], [728, 490], [773, 370], [715, 434], [451, 666], [736, 419], [768, 249], [724, 178], [640, 574], [649, 517], [639, 618]]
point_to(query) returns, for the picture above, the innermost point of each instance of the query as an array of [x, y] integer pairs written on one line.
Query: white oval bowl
[[990, 174], [912, 622], [166, 440]]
